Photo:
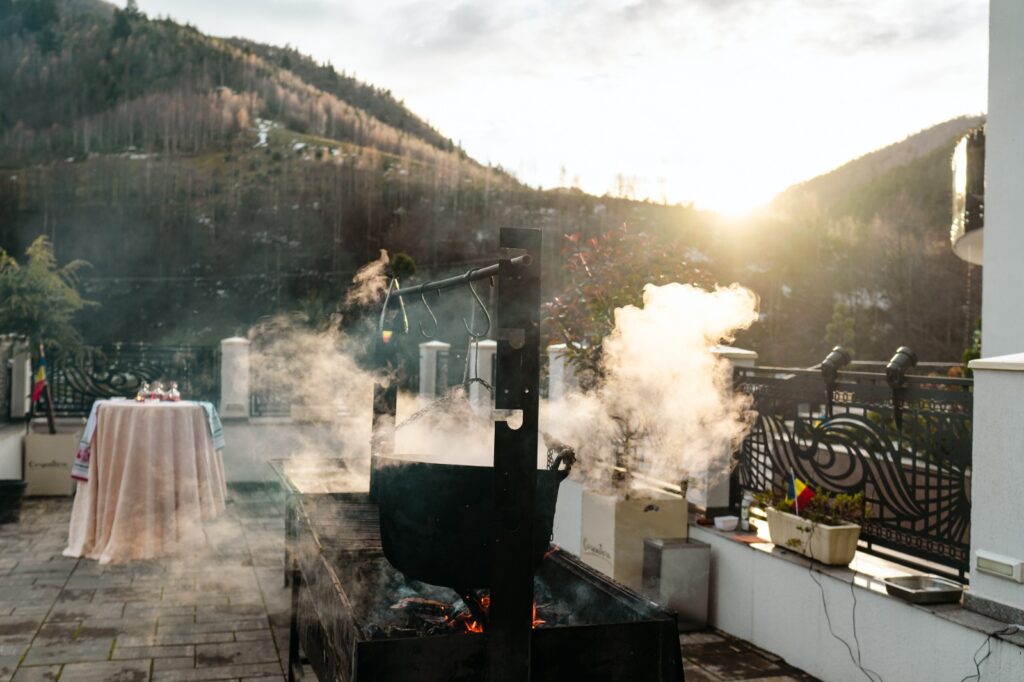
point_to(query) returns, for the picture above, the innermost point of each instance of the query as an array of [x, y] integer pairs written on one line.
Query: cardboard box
[[48, 460], [614, 530]]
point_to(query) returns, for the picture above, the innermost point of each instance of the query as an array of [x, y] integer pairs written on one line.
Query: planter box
[[48, 461], [834, 545], [613, 531]]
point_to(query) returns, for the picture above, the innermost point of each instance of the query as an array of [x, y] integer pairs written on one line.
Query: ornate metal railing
[[120, 369], [263, 403], [915, 476]]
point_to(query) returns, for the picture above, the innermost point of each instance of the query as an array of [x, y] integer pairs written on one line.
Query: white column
[[996, 475], [234, 378], [428, 368], [21, 384], [1002, 274], [713, 492], [481, 366], [561, 373], [998, 430]]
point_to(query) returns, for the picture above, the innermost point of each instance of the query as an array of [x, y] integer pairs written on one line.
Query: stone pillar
[[712, 491], [21, 385], [481, 366], [429, 352], [1003, 278], [234, 378], [561, 373], [996, 475]]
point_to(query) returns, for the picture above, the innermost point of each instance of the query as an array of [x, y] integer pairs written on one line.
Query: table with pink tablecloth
[[154, 477]]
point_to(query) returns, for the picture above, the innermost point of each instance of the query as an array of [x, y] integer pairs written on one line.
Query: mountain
[[875, 169], [861, 257], [212, 181]]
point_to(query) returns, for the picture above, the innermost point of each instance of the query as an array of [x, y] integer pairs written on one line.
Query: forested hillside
[[212, 181], [861, 256]]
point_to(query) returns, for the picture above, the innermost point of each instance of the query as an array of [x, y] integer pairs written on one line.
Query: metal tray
[[923, 589]]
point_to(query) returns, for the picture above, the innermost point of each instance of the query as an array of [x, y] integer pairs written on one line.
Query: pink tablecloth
[[154, 478]]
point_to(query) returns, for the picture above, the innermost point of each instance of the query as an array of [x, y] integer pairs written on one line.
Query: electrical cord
[[987, 644], [854, 658]]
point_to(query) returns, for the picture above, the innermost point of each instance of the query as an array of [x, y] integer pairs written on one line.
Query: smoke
[[315, 375], [369, 284], [665, 406]]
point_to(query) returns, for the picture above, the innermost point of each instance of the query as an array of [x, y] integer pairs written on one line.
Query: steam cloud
[[663, 386], [315, 371], [370, 283], [665, 407]]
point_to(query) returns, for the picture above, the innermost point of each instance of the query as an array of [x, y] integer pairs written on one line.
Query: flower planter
[[833, 545], [613, 531], [48, 459]]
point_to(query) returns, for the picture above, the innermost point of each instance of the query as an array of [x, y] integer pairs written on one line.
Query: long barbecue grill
[[394, 583]]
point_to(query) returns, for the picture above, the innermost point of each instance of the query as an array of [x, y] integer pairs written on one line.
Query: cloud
[[646, 88]]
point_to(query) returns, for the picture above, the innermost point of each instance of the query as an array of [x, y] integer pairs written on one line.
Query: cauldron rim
[[380, 461]]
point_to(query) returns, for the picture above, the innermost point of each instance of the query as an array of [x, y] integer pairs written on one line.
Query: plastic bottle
[[748, 499]]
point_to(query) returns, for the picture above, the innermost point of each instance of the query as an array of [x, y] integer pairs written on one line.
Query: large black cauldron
[[436, 520]]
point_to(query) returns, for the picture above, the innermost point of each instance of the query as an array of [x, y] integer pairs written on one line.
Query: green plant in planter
[[825, 508], [39, 300], [835, 512]]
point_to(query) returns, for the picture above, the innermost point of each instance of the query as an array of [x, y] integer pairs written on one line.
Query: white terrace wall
[[775, 604]]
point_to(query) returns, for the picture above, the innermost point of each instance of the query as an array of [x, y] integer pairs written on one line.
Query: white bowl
[[726, 523]]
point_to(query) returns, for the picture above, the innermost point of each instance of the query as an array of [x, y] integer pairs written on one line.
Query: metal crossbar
[[916, 478]]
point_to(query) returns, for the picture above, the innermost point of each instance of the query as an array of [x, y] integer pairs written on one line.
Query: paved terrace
[[219, 616]]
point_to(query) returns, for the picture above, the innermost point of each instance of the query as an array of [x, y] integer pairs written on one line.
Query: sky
[[723, 103]]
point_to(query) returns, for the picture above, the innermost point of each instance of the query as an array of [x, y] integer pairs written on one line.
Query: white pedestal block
[[481, 366], [568, 525], [21, 385], [561, 374], [234, 378], [428, 368]]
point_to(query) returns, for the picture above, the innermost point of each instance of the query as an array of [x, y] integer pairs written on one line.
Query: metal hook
[[487, 316], [423, 297], [384, 310], [393, 285]]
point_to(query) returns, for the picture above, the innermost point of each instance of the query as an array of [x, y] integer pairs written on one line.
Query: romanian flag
[[37, 388], [799, 492]]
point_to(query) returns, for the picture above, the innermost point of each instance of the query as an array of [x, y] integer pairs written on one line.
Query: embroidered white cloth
[[153, 477]]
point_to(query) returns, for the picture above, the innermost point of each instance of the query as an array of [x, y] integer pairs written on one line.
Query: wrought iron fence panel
[[916, 477], [120, 370]]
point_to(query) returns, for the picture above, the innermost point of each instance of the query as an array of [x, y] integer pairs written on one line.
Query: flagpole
[[50, 422]]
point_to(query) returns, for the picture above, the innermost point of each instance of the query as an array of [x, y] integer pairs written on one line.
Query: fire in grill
[[360, 619]]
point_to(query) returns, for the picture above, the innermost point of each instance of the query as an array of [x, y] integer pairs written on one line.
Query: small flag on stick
[[799, 492], [40, 384]]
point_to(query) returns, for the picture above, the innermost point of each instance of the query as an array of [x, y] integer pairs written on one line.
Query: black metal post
[[515, 458]]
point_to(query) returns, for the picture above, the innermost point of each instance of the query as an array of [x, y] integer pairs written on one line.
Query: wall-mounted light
[[896, 376], [836, 359]]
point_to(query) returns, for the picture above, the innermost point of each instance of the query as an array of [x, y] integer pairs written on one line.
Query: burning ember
[[435, 617]]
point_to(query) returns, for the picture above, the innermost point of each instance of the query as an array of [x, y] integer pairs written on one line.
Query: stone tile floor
[[219, 615]]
